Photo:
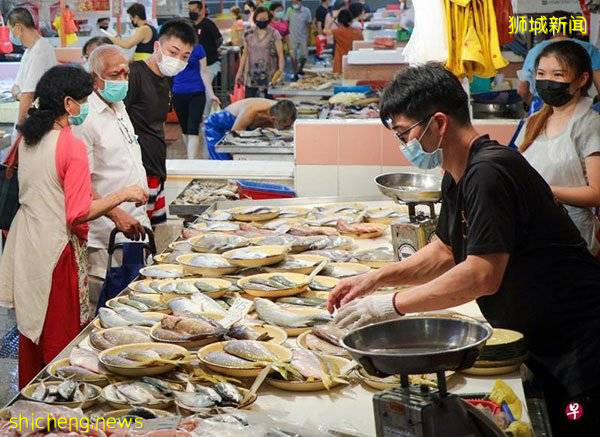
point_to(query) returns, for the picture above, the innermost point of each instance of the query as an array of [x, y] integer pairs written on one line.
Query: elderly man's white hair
[[96, 58]]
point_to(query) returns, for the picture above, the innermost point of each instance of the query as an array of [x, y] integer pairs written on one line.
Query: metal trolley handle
[[150, 246]]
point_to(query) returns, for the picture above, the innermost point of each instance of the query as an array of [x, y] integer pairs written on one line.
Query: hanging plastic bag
[[215, 107], [239, 93]]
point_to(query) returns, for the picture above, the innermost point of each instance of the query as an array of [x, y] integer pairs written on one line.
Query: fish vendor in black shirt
[[148, 102], [502, 239]]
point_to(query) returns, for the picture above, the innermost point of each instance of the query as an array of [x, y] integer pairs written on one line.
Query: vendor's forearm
[[428, 263], [469, 280], [100, 207], [584, 196], [25, 102]]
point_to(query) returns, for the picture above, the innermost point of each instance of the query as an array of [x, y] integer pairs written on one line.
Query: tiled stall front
[[342, 157]]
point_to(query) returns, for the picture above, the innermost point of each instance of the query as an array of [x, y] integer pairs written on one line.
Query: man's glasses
[[405, 132]]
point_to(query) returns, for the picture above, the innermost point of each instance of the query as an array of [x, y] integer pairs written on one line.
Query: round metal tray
[[417, 345], [410, 187]]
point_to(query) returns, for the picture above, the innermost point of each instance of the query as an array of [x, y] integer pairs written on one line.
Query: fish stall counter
[[259, 144], [347, 408]]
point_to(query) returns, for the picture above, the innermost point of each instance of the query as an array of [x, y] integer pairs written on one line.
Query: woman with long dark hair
[[562, 140], [343, 36], [43, 271]]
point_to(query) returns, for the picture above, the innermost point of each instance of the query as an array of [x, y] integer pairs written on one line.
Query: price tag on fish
[[238, 310]]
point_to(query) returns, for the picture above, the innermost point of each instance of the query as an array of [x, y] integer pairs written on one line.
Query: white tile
[[316, 180], [358, 180]]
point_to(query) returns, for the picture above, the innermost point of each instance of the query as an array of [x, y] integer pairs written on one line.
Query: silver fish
[[255, 210], [247, 254], [185, 307], [303, 301], [243, 332], [126, 335], [283, 281], [339, 272], [205, 287], [221, 227], [311, 365], [75, 372], [211, 262], [194, 400], [155, 285], [164, 387], [40, 392], [208, 304], [337, 256], [383, 213], [110, 319], [212, 394], [156, 272], [137, 393], [275, 315], [230, 395], [133, 303], [152, 304], [330, 333], [294, 263], [319, 286], [249, 350], [217, 216], [138, 318], [85, 358], [318, 344], [185, 287], [142, 287], [67, 389], [378, 254], [169, 287], [227, 360]]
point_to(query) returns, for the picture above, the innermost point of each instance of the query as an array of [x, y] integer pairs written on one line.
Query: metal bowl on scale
[[417, 345], [410, 187]]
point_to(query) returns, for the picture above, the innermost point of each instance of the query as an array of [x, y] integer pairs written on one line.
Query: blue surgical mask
[[14, 40], [415, 154], [114, 90], [76, 120]]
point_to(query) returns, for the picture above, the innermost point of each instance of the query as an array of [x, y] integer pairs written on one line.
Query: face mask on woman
[[553, 93], [280, 15], [262, 24], [76, 120]]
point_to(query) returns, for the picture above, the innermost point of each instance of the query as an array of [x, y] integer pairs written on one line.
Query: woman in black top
[[144, 36]]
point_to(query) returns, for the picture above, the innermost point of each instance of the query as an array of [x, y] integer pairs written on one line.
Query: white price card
[[237, 311]]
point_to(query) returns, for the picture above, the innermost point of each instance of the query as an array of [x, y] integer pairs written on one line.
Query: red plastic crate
[[256, 194]]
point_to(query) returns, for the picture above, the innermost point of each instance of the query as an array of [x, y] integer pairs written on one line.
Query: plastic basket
[[262, 190]]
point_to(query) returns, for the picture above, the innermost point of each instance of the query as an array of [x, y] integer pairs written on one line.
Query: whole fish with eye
[[185, 287], [275, 282], [142, 287], [208, 304], [257, 352], [254, 210], [224, 359], [273, 314], [295, 263], [110, 319], [185, 307], [66, 391], [243, 332], [205, 287], [132, 303], [138, 318], [86, 359], [174, 328], [314, 367], [127, 335], [152, 304], [317, 285]]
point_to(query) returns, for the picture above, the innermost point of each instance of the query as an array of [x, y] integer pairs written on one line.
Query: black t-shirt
[[551, 288], [148, 101], [210, 37], [321, 14]]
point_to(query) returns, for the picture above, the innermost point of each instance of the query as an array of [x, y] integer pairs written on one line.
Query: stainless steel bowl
[[416, 345], [410, 187]]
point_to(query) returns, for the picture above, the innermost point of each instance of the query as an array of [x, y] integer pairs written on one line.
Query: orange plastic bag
[[239, 93]]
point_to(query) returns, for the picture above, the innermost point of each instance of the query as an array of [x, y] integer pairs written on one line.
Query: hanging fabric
[[473, 42]]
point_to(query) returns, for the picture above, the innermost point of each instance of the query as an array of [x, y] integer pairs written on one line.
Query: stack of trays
[[503, 353]]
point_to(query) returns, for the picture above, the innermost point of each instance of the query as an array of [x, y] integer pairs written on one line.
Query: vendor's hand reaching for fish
[[365, 311], [125, 223], [135, 193], [351, 288]]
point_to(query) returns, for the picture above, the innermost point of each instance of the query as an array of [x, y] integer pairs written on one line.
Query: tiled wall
[[342, 157]]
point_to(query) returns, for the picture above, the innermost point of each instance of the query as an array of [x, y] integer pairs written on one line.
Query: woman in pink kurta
[[43, 270]]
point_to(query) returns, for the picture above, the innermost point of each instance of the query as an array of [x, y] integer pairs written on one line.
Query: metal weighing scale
[[414, 232], [420, 345]]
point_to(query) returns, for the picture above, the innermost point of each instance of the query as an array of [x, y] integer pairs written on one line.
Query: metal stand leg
[[404, 381]]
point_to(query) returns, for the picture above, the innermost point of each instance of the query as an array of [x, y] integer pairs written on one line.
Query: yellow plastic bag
[[503, 393]]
